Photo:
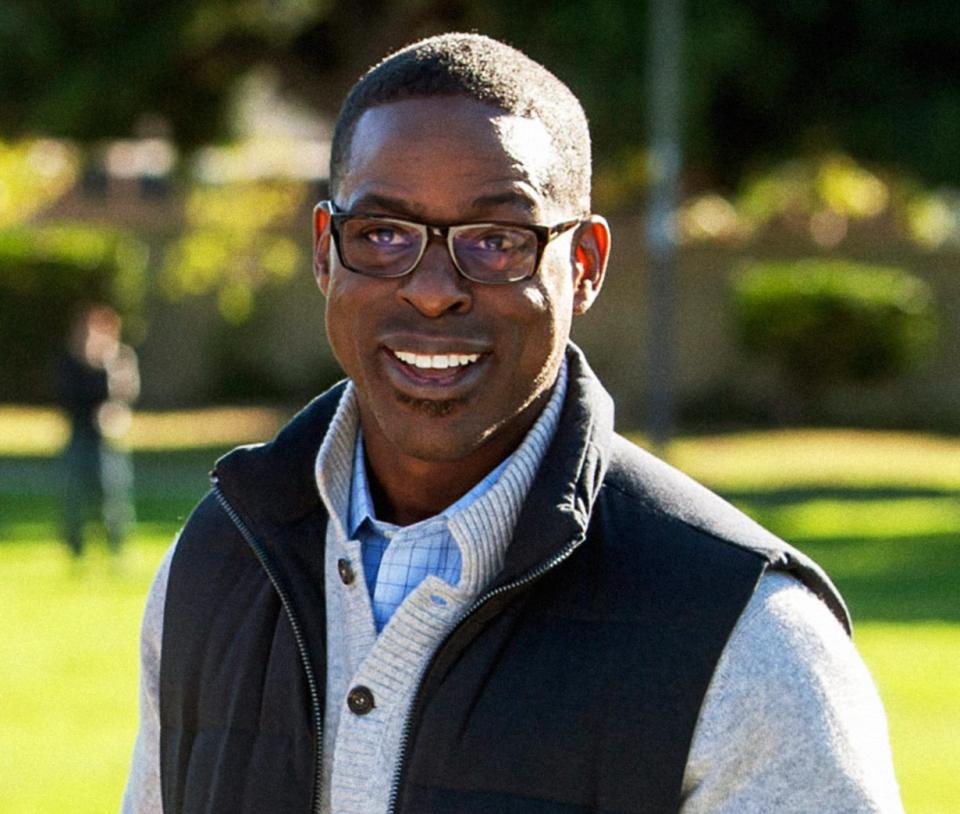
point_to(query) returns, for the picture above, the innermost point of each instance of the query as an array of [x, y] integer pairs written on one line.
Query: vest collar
[[273, 484], [559, 505]]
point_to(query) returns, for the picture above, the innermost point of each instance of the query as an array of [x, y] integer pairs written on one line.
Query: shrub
[[45, 274], [829, 322]]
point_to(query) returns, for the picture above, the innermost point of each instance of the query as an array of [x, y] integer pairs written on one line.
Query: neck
[[422, 490], [406, 489]]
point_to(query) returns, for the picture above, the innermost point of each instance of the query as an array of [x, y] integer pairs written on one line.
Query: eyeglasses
[[492, 252]]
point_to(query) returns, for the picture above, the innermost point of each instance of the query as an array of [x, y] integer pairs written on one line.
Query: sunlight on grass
[[215, 426], [916, 669], [44, 431], [31, 430], [775, 459], [885, 518]]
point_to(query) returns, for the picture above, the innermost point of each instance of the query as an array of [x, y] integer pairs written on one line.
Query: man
[[447, 585], [97, 380]]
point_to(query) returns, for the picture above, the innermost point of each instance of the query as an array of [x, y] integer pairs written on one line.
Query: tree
[[877, 79]]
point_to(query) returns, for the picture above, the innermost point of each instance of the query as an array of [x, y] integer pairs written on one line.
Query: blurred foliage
[[823, 200], [46, 274], [835, 183], [33, 173], [864, 91], [933, 219], [877, 79], [828, 322], [234, 242], [89, 70]]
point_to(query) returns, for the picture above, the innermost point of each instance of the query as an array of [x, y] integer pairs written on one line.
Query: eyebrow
[[509, 197], [373, 202]]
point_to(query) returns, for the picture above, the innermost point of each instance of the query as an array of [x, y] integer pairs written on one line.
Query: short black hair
[[491, 72]]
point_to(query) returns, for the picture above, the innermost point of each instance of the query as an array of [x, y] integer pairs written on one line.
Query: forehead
[[441, 155]]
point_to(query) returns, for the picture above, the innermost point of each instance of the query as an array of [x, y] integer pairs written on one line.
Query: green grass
[[880, 511], [68, 683], [916, 667], [69, 631]]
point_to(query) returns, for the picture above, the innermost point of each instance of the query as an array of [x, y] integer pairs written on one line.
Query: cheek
[[343, 313], [536, 299], [548, 304], [350, 296]]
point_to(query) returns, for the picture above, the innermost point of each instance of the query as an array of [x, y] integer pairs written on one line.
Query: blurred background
[[781, 317]]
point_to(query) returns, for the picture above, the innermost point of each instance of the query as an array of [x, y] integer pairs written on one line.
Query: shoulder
[[790, 637], [641, 480], [640, 490], [792, 720], [208, 534], [652, 511], [209, 559]]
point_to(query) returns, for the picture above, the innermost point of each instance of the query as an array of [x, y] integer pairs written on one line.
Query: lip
[[430, 345], [436, 383]]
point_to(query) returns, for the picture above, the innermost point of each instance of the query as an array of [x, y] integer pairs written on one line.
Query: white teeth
[[440, 361]]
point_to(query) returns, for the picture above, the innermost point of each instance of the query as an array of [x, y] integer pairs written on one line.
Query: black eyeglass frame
[[447, 231]]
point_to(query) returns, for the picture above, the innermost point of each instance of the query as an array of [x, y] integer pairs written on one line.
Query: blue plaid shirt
[[396, 559]]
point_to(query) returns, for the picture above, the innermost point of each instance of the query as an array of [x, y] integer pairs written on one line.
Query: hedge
[[46, 273], [825, 322]]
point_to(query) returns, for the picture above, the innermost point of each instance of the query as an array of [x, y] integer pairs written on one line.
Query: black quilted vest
[[574, 687]]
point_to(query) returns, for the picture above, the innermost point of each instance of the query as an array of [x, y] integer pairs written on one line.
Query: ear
[[321, 247], [591, 250]]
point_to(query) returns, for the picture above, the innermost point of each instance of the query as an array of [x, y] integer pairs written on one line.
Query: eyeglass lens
[[381, 247]]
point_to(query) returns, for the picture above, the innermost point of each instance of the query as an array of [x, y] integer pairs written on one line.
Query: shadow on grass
[[169, 472], [168, 485], [894, 553], [894, 580]]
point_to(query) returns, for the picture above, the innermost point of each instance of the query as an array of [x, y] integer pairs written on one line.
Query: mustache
[[446, 327]]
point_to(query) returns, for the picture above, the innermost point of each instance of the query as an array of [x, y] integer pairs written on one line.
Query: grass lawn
[[880, 511]]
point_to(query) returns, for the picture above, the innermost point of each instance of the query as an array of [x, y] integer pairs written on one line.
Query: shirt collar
[[361, 502]]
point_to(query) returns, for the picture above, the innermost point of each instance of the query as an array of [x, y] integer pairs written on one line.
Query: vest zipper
[[315, 707], [526, 579]]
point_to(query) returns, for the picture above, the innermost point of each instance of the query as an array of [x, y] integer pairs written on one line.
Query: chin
[[432, 408]]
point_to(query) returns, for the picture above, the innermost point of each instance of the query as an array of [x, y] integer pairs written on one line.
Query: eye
[[386, 235], [497, 240]]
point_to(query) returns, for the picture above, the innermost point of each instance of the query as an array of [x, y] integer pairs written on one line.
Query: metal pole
[[665, 157]]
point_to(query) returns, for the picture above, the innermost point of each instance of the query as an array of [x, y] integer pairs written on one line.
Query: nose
[[435, 287]]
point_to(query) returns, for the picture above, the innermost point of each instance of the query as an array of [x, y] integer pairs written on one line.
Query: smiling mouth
[[436, 361]]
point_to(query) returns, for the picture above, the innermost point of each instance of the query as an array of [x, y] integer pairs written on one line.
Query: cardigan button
[[360, 700], [347, 574]]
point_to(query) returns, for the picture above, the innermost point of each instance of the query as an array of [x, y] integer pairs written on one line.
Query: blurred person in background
[[97, 381], [448, 585]]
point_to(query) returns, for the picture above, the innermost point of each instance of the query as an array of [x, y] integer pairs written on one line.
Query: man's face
[[453, 160]]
